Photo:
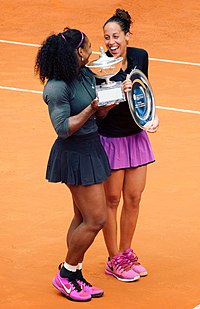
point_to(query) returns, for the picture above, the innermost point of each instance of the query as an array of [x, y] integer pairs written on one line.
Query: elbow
[[63, 134], [62, 130]]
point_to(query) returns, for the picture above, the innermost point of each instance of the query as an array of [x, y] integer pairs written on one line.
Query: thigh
[[89, 200]]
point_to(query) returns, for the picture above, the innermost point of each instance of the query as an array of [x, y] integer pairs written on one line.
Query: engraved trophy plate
[[104, 68], [141, 100], [110, 94]]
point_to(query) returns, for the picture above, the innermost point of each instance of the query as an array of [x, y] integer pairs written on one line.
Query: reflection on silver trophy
[[141, 100], [104, 68]]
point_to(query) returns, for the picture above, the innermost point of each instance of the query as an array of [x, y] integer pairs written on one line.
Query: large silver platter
[[141, 100]]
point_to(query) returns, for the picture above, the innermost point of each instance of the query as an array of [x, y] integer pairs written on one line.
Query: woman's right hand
[[94, 104], [102, 110]]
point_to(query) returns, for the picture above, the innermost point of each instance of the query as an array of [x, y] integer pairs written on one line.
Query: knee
[[112, 201], [132, 201], [98, 223]]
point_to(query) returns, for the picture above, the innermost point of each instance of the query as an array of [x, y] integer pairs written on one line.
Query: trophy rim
[[104, 64], [146, 120]]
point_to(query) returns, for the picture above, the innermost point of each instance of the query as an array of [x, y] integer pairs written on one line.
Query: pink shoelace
[[130, 257], [121, 262]]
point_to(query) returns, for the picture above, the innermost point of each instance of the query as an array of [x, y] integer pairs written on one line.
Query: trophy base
[[110, 93]]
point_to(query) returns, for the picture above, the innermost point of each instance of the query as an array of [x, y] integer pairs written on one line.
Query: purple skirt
[[130, 151]]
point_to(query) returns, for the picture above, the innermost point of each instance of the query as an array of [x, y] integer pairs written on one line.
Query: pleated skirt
[[78, 160], [127, 152]]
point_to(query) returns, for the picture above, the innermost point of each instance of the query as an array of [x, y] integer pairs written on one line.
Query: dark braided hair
[[57, 57], [121, 17]]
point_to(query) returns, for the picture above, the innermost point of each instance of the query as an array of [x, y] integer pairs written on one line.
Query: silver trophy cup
[[140, 97], [104, 68]]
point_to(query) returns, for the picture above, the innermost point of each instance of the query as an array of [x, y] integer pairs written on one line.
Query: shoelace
[[82, 280], [75, 285], [121, 262], [131, 258]]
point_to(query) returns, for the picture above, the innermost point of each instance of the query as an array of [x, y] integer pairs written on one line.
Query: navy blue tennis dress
[[78, 158]]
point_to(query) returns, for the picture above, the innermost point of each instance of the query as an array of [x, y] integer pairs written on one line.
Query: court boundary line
[[20, 89], [157, 106], [152, 59]]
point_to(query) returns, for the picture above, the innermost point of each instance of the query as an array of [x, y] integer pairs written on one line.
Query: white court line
[[178, 110], [20, 89], [157, 106], [153, 59], [19, 43], [175, 61]]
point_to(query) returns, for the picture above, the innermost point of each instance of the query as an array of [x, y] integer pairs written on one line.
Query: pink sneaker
[[119, 268], [86, 286], [134, 263], [70, 289]]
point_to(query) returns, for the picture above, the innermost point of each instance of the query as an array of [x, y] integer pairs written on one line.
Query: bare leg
[[76, 221], [134, 184], [113, 187], [90, 201]]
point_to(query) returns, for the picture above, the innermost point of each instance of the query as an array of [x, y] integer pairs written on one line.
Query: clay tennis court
[[35, 214]]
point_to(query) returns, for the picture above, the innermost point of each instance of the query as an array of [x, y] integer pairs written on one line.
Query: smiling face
[[115, 39]]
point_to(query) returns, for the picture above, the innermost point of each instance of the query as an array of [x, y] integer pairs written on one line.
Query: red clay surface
[[35, 214]]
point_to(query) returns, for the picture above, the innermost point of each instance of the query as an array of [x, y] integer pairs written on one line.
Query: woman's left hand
[[154, 126], [127, 85]]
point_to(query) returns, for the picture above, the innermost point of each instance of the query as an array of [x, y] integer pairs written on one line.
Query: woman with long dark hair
[[77, 157]]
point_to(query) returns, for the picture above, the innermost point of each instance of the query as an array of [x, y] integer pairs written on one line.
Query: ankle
[[68, 271]]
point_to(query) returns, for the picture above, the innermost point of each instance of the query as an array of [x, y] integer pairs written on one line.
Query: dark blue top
[[68, 99], [119, 121]]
